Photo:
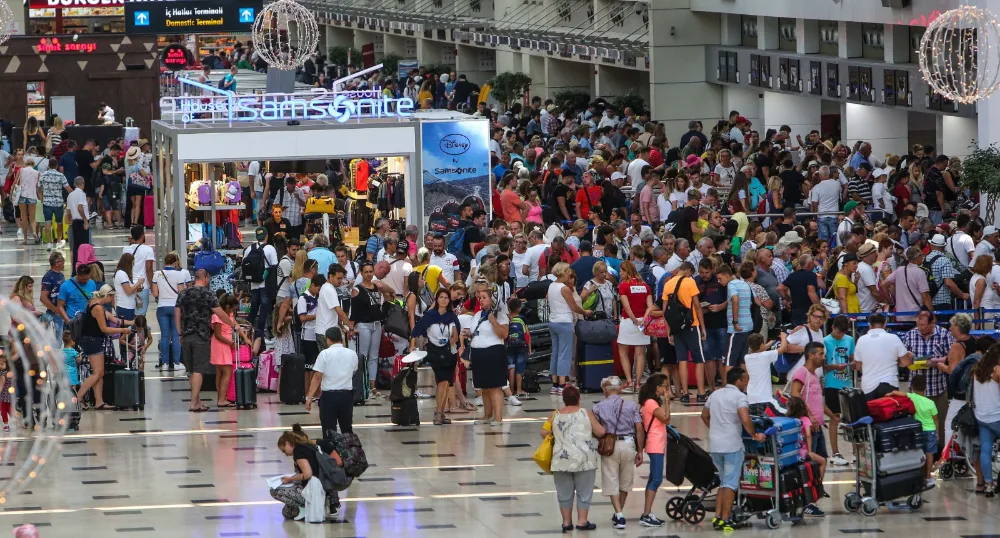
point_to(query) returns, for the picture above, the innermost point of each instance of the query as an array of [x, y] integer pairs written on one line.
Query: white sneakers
[[48, 247], [479, 401], [838, 460], [422, 395], [61, 243], [512, 400]]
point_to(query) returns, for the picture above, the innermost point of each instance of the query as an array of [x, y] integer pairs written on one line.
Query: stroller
[[687, 460], [954, 461]]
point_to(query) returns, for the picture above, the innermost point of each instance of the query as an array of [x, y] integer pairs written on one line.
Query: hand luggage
[[293, 381], [595, 364], [890, 407], [244, 380], [404, 385], [148, 211], [812, 483], [899, 434], [405, 413], [896, 486], [853, 406], [383, 378], [267, 373], [361, 384], [897, 462], [129, 385]]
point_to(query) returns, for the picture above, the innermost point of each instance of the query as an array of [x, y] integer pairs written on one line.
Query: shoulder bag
[[543, 454], [965, 420], [606, 445]]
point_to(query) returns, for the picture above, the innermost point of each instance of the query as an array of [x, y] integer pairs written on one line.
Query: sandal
[[104, 407], [469, 406], [457, 411], [198, 409], [227, 404]]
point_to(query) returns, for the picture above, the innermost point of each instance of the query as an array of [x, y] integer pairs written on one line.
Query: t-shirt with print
[[741, 290], [838, 352], [306, 304], [196, 304], [635, 291], [812, 393], [53, 185], [686, 293], [50, 285], [656, 434]]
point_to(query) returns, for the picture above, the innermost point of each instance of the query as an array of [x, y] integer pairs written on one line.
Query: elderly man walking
[[619, 417]]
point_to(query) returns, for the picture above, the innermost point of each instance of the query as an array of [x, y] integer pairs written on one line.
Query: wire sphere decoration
[[34, 374], [285, 34], [959, 56], [7, 22]]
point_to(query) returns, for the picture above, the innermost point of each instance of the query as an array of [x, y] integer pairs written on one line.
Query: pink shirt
[[647, 205], [656, 437], [812, 393], [806, 434], [911, 282]]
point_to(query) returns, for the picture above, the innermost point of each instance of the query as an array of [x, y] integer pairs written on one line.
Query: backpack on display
[[678, 316], [253, 265], [210, 260], [205, 193], [233, 193]]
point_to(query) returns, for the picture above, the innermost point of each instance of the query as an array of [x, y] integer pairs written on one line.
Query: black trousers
[[81, 236], [336, 407]]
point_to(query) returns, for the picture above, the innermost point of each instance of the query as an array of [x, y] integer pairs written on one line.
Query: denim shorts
[[517, 359], [716, 344], [92, 345], [110, 204], [26, 201], [48, 212], [931, 442], [730, 466]]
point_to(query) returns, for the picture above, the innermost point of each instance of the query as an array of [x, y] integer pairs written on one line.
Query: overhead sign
[[174, 57], [165, 17]]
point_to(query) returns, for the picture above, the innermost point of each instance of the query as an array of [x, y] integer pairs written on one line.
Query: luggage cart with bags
[[887, 471], [775, 485]]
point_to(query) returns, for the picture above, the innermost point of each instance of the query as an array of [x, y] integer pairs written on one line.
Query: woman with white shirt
[[563, 305], [678, 195], [126, 290], [489, 355], [167, 285], [986, 396]]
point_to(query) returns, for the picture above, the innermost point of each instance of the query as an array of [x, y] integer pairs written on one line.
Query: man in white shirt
[[825, 198], [962, 245], [328, 310], [76, 203], [880, 355], [445, 260], [987, 247], [868, 293], [261, 301], [337, 365], [142, 264], [519, 259], [105, 114], [399, 268], [661, 261], [682, 251], [634, 170], [532, 255]]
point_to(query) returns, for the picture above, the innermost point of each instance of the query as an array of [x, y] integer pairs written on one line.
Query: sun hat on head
[[938, 240], [133, 153], [692, 160]]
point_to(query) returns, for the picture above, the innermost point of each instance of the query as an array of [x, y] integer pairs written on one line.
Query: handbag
[[965, 420], [606, 445], [655, 327], [397, 322], [543, 454], [596, 331]]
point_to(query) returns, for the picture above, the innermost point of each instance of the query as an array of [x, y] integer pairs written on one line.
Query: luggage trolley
[[761, 488], [866, 496]]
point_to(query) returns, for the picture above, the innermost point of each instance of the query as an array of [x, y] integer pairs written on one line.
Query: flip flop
[[198, 410], [104, 407], [229, 404]]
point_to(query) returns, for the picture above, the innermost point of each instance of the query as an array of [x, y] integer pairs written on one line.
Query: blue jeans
[[655, 472], [562, 348], [58, 324], [988, 433], [827, 227], [141, 310], [935, 216], [170, 340], [260, 303]]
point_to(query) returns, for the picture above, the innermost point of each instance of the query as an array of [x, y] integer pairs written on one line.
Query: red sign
[[44, 4], [46, 46], [174, 57]]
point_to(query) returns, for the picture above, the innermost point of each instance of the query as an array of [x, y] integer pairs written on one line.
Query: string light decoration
[[285, 34], [6, 22], [958, 54], [36, 367]]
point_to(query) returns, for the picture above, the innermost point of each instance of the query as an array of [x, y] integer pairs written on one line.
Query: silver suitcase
[[898, 462]]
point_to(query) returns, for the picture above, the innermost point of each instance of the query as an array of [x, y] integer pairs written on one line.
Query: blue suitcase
[[596, 363]]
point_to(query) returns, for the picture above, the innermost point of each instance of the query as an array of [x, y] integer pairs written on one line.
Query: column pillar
[[897, 44], [886, 129], [849, 35], [768, 33], [956, 135], [806, 36]]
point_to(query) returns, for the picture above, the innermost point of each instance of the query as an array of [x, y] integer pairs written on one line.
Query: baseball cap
[[849, 206], [403, 247], [989, 230], [617, 175], [937, 240], [261, 233]]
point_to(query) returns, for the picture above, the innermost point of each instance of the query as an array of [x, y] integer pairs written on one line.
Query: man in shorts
[[727, 414], [193, 316], [687, 341], [740, 324], [52, 185]]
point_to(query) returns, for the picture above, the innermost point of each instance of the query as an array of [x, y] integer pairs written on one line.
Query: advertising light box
[[197, 17]]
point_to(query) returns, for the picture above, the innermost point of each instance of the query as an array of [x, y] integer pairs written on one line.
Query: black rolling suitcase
[[129, 385], [897, 486], [405, 413], [899, 434], [360, 382], [246, 382], [292, 389], [853, 405]]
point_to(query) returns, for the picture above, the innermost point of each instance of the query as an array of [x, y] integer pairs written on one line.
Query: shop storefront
[[436, 158], [57, 74], [57, 17]]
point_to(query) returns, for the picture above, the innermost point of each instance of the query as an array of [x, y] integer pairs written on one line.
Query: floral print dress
[[575, 448]]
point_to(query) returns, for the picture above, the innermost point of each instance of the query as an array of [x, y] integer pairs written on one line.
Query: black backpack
[[678, 316], [254, 264], [928, 268]]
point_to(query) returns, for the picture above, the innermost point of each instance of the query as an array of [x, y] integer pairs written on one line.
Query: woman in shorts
[[440, 326]]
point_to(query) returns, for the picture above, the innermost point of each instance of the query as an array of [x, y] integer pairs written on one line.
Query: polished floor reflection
[[167, 472]]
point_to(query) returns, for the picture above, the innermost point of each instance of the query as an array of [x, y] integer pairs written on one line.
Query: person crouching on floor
[[296, 443]]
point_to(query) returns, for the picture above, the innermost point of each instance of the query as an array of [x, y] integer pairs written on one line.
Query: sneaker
[[301, 516], [930, 481], [813, 511], [159, 366], [61, 243], [554, 389], [423, 395], [512, 400], [479, 401], [685, 398], [170, 368], [726, 526], [618, 522], [20, 234], [701, 398], [484, 421], [649, 520], [717, 523], [48, 247], [522, 395], [6, 429], [838, 459]]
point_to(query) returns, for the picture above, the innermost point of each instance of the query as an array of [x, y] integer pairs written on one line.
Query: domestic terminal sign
[[190, 17]]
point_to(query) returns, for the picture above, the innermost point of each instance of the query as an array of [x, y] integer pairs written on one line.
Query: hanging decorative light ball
[[285, 34], [959, 55], [6, 22]]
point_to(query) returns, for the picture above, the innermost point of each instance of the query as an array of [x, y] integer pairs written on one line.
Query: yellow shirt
[[423, 96], [432, 276], [702, 226], [841, 281]]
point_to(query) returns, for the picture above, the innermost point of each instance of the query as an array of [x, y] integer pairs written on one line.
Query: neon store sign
[[46, 46]]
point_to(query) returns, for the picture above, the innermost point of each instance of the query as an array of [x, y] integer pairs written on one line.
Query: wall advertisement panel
[[455, 158]]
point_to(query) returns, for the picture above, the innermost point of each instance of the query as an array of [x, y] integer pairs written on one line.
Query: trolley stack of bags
[[800, 480], [898, 441]]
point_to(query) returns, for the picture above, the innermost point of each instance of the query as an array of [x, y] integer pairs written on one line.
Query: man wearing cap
[[944, 274], [858, 188], [824, 197], [621, 418], [987, 247], [612, 196], [261, 301], [869, 295], [853, 213], [962, 244]]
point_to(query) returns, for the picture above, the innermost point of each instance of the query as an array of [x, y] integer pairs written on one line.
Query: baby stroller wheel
[[946, 471], [694, 513], [675, 508], [961, 469]]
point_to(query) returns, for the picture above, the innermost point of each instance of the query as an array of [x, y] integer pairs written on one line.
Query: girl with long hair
[[637, 303], [125, 289], [986, 396], [739, 193], [366, 313], [654, 408]]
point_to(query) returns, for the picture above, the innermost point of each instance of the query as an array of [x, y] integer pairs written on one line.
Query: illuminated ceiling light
[[285, 34], [959, 58]]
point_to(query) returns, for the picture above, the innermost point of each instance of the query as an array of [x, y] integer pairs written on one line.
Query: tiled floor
[[167, 472]]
